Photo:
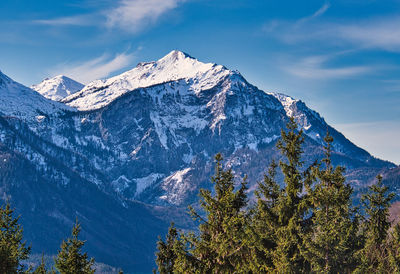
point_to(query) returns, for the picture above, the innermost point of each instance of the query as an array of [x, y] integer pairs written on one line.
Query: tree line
[[309, 225]]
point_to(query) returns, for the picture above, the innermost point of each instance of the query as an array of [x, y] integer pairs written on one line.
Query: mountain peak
[[58, 87], [176, 55], [61, 76], [174, 66]]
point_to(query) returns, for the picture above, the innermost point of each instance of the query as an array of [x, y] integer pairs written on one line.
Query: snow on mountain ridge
[[174, 66], [298, 110], [58, 87], [19, 101]]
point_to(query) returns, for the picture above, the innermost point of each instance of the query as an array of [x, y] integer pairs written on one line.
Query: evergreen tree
[[70, 259], [291, 205], [264, 222], [166, 255], [220, 246], [41, 269], [393, 249], [279, 220], [12, 249], [373, 256], [329, 246]]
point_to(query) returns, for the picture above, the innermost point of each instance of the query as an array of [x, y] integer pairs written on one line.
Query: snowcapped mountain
[[19, 101], [174, 66], [153, 130], [58, 87], [150, 135]]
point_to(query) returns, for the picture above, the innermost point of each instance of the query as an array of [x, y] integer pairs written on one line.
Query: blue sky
[[341, 57]]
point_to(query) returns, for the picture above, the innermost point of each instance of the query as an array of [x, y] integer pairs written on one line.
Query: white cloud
[[128, 15], [133, 15], [378, 138], [313, 67], [96, 68], [380, 33], [77, 20], [321, 10], [316, 14]]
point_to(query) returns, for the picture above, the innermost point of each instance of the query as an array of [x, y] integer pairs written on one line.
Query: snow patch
[[145, 182], [175, 187]]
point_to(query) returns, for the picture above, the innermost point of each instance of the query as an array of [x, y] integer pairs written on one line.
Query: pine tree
[[12, 249], [330, 244], [291, 205], [166, 255], [264, 222], [373, 256], [41, 269], [279, 219], [220, 246], [70, 259], [393, 249]]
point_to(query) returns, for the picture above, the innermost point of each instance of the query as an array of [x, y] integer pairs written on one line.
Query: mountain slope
[[316, 127], [58, 87], [22, 102]]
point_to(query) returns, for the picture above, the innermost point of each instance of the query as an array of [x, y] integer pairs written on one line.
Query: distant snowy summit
[[58, 87]]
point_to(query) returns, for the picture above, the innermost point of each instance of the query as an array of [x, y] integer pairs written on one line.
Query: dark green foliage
[[166, 255], [377, 204], [12, 249], [71, 259], [279, 218], [265, 219], [219, 247], [41, 269], [374, 255], [291, 205], [330, 244], [393, 250]]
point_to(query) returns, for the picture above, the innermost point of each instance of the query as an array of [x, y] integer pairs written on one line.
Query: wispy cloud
[[314, 67], [380, 33], [321, 10], [77, 20], [128, 15], [96, 68], [316, 14], [133, 15]]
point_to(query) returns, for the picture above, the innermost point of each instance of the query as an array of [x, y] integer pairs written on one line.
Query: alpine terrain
[[126, 155], [58, 87]]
